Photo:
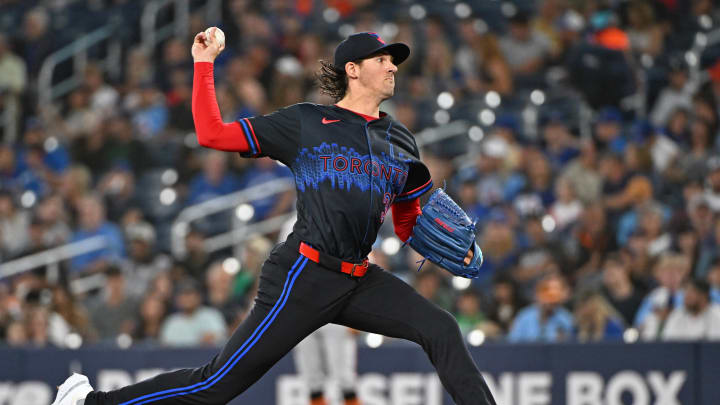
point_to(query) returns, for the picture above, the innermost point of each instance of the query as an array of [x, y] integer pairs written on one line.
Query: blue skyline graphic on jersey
[[344, 168]]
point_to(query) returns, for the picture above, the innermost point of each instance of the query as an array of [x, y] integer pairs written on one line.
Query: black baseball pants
[[295, 297]]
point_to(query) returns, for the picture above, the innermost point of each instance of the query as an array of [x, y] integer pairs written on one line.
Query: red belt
[[333, 263]]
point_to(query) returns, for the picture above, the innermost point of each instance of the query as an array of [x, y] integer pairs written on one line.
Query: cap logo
[[376, 36]]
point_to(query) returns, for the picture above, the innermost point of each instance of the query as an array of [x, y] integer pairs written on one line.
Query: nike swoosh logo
[[327, 121]]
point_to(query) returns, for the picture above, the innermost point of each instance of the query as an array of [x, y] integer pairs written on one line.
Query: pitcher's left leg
[[384, 304]]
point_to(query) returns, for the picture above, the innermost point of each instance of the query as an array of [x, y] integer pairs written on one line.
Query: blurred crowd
[[588, 151]]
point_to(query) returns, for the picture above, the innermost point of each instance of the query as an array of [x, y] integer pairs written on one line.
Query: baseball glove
[[444, 234]]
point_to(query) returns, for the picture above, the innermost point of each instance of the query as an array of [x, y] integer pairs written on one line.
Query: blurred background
[[582, 134]]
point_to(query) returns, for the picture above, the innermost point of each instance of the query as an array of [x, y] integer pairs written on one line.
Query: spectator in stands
[[505, 302], [124, 146], [254, 252], [74, 314], [593, 239], [500, 250], [37, 41], [468, 314], [712, 184], [197, 259], [567, 208], [37, 327], [524, 48], [92, 223], [143, 263], [595, 319], [709, 251], [677, 95], [713, 279], [697, 319], [152, 314], [14, 224], [430, 284], [113, 313], [194, 324], [13, 79], [103, 97], [16, 175], [619, 289], [264, 170], [74, 185], [150, 116], [16, 334], [608, 131], [670, 272], [692, 165], [538, 193], [480, 60], [539, 256], [214, 180], [644, 33], [546, 320], [651, 223], [117, 187], [219, 283], [583, 173], [560, 145]]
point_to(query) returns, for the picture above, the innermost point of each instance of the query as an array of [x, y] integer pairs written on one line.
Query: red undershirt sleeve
[[404, 215], [211, 131]]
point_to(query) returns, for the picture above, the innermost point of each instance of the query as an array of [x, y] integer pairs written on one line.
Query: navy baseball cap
[[363, 44]]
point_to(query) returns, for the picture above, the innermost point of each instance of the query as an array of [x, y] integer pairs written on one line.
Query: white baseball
[[219, 35]]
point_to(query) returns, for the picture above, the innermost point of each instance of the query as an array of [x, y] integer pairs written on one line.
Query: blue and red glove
[[444, 234]]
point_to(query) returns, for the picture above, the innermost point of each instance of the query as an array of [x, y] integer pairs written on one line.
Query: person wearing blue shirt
[[546, 320], [214, 181], [262, 171], [595, 319], [93, 223]]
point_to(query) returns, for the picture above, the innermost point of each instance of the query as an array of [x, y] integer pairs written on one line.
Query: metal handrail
[[52, 256], [77, 50], [192, 213], [152, 35]]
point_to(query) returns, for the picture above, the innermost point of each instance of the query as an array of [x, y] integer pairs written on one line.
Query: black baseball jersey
[[348, 172]]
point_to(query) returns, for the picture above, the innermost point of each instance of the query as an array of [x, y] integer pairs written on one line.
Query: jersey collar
[[353, 116]]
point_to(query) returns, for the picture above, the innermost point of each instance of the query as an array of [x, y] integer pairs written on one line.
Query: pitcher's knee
[[442, 326]]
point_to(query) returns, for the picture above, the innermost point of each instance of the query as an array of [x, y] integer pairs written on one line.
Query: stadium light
[[476, 134], [417, 12], [244, 212], [73, 341], [705, 21], [486, 117], [231, 266], [50, 144], [461, 283], [537, 97], [445, 100], [374, 340], [28, 199], [462, 10], [391, 246], [631, 335], [442, 117], [331, 15], [548, 223], [492, 99], [168, 196], [169, 177], [476, 337], [124, 341]]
